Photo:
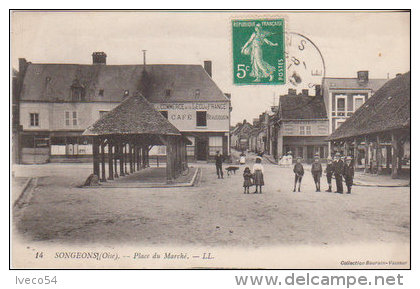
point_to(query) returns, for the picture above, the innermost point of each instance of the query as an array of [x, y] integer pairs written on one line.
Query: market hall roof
[[300, 107], [387, 109], [133, 116], [166, 82]]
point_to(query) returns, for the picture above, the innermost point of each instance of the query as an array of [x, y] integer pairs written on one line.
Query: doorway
[[201, 149]]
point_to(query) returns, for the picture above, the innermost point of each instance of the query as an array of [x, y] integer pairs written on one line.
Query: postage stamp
[[258, 51]]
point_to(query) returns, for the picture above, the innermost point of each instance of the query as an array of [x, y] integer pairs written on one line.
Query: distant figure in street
[[298, 170], [219, 162], [258, 175], [242, 158], [316, 171], [348, 174], [247, 180], [329, 172], [338, 173]]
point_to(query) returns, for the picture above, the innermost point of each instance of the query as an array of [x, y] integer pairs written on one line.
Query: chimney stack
[[228, 95], [291, 91], [207, 67], [363, 76], [99, 58], [305, 92]]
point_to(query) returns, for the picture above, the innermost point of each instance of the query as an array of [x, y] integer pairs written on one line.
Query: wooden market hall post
[[356, 153], [394, 144], [110, 160], [366, 154], [116, 158], [121, 155], [103, 173], [95, 151], [378, 155], [125, 157]]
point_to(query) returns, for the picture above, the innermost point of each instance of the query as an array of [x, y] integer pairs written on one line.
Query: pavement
[[214, 213]]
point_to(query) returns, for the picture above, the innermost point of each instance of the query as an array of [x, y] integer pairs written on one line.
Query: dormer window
[[126, 93], [101, 92], [77, 91], [167, 93], [197, 93]]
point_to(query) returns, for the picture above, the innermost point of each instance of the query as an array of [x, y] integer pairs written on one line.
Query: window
[[201, 117], [191, 147], [215, 144], [167, 92], [341, 104], [77, 92], [308, 130], [34, 119], [101, 92], [71, 118], [358, 101], [302, 130], [74, 117], [102, 113], [197, 93], [126, 93], [164, 113]]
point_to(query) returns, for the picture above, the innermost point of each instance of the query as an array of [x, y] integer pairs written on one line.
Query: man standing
[[316, 171], [329, 172], [338, 173], [348, 174], [219, 162]]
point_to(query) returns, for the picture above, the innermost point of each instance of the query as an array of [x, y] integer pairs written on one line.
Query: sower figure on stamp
[[247, 180], [329, 172], [219, 162], [299, 172], [316, 171], [348, 173], [338, 173], [258, 175]]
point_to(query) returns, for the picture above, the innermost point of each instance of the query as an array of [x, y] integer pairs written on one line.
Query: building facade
[[300, 126], [57, 102]]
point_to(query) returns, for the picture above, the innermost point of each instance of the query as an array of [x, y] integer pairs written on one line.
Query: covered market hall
[[378, 134], [123, 137]]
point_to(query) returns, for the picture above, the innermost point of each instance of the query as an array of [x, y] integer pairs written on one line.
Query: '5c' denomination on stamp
[[258, 51]]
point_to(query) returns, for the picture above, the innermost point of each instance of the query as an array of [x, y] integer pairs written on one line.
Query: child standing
[[317, 172], [298, 170], [348, 174], [258, 172], [247, 180], [329, 171]]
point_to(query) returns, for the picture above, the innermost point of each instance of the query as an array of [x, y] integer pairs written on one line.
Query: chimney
[[255, 121], [318, 91], [207, 67], [99, 58], [291, 91], [305, 92], [398, 75], [363, 76], [228, 95]]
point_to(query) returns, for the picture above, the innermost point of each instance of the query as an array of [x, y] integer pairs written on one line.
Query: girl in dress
[[247, 180], [258, 172]]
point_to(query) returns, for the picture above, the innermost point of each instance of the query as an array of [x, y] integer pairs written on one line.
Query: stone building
[[57, 102]]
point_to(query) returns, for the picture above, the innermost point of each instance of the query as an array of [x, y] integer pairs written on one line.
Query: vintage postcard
[[210, 139]]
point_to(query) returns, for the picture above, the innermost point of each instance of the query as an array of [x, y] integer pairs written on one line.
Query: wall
[[183, 115], [292, 128]]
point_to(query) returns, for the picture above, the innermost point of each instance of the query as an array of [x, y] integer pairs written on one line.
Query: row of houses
[[54, 103], [308, 125]]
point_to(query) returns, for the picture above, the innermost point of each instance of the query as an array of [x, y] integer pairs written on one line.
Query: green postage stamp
[[258, 51]]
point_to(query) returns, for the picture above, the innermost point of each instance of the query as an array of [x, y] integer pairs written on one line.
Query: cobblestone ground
[[214, 213]]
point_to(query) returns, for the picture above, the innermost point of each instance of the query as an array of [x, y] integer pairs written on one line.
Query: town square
[[243, 131]]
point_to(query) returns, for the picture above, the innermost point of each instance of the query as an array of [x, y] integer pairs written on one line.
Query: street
[[215, 213]]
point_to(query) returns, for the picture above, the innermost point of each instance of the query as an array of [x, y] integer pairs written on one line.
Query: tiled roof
[[387, 109], [135, 115], [301, 107], [166, 83]]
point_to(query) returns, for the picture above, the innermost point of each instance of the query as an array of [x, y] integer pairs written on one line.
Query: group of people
[[340, 167]]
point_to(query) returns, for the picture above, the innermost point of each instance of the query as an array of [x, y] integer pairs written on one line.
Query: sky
[[349, 42]]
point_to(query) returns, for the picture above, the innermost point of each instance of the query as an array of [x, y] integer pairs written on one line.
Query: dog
[[231, 169]]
